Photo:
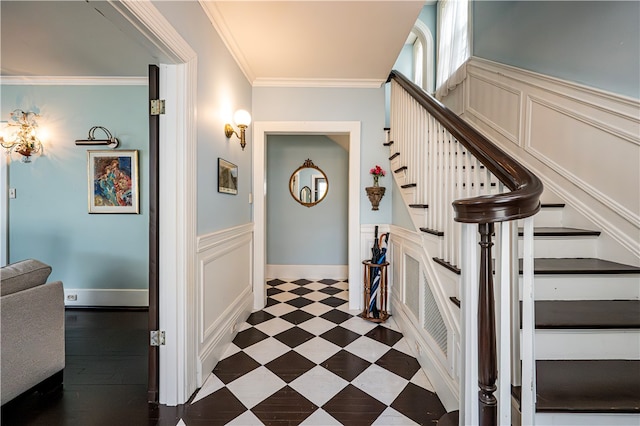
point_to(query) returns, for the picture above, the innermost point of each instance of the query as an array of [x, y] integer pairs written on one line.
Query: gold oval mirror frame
[[308, 187]]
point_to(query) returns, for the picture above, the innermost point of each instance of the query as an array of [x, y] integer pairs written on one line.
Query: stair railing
[[449, 164]]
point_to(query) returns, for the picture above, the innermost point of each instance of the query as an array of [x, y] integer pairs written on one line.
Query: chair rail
[[523, 200]]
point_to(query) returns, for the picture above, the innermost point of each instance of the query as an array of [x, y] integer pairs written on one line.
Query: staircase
[[587, 312]]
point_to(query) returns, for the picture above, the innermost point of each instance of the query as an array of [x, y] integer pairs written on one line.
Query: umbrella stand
[[376, 311]]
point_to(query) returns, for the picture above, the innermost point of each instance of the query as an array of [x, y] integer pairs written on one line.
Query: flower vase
[[375, 180]]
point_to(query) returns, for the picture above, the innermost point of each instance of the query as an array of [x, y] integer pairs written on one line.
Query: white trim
[[213, 239], [178, 84], [72, 81], [261, 130], [426, 38], [4, 210], [372, 83], [336, 272], [107, 297]]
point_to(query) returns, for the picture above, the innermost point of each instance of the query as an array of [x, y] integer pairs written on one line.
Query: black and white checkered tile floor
[[306, 359]]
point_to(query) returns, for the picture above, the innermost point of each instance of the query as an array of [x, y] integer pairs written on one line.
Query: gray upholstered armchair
[[32, 328]]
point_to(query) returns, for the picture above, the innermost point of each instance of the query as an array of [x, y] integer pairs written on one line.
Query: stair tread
[[549, 231], [587, 386], [587, 314], [449, 419], [580, 266]]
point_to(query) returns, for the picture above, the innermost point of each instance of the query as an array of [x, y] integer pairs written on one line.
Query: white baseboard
[[106, 297], [336, 272], [226, 327]]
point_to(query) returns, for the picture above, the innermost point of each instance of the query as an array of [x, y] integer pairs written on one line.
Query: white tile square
[[316, 309], [317, 325], [392, 324], [280, 309], [359, 325], [315, 286], [245, 419], [402, 345], [316, 296], [317, 349], [391, 417], [381, 384], [421, 379], [274, 326], [341, 285], [344, 295], [255, 386], [267, 350], [210, 385], [318, 385], [231, 350], [244, 326], [284, 296], [320, 418], [287, 286], [368, 349]]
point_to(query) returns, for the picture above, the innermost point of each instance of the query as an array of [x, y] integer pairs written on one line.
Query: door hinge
[[156, 338], [157, 106]]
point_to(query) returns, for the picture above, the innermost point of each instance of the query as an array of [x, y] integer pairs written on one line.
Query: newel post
[[487, 359]]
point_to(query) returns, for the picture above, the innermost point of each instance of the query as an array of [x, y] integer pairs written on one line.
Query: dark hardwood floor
[[105, 377]]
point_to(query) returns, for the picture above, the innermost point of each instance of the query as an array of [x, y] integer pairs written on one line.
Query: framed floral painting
[[113, 181]]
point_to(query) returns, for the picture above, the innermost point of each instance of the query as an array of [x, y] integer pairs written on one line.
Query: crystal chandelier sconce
[[20, 135]]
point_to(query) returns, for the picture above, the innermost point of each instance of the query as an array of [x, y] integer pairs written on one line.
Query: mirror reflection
[[308, 185]]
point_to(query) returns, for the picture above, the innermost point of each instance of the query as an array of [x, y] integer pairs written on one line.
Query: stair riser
[[561, 247], [586, 287], [582, 419], [546, 217], [587, 344]]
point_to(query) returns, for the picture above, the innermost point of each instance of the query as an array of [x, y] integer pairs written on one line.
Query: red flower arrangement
[[376, 172]]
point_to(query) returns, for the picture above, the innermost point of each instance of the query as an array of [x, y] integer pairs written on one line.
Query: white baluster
[[528, 397]]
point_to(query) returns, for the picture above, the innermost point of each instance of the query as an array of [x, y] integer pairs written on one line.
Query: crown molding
[[324, 83], [18, 80]]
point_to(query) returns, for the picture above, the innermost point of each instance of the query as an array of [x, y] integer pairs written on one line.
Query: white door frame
[[261, 130], [178, 184]]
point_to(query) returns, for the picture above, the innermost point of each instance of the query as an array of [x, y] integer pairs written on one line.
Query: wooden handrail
[[524, 198]]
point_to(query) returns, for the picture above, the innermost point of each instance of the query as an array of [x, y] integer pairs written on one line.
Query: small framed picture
[[227, 177], [113, 181]]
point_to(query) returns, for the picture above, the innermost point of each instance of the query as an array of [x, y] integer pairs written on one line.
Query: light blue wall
[[222, 89], [335, 104], [49, 220], [596, 43], [401, 216], [299, 235]]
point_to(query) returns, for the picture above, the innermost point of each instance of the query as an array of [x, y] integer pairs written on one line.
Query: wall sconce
[[23, 140], [242, 119], [111, 140]]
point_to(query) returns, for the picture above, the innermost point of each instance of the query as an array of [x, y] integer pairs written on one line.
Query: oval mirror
[[308, 185]]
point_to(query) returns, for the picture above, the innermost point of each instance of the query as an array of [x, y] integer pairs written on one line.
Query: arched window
[[423, 57]]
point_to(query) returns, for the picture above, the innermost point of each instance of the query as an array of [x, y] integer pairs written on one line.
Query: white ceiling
[[337, 43]]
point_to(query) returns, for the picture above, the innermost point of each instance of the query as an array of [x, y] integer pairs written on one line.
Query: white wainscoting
[[224, 292], [441, 368], [119, 297], [583, 143]]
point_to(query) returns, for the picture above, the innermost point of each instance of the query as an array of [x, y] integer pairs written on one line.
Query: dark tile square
[[271, 301], [340, 336], [290, 366], [248, 337], [351, 406], [275, 282], [400, 363], [272, 291], [346, 365], [259, 317], [238, 364], [336, 316], [334, 302], [384, 335], [301, 291], [285, 407], [420, 405], [328, 281], [219, 408], [294, 336], [299, 302], [297, 317], [302, 282], [330, 290]]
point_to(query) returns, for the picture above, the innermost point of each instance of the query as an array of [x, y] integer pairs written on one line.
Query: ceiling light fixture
[[242, 119]]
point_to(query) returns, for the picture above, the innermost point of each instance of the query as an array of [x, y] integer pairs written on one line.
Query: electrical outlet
[[72, 297], [12, 193]]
